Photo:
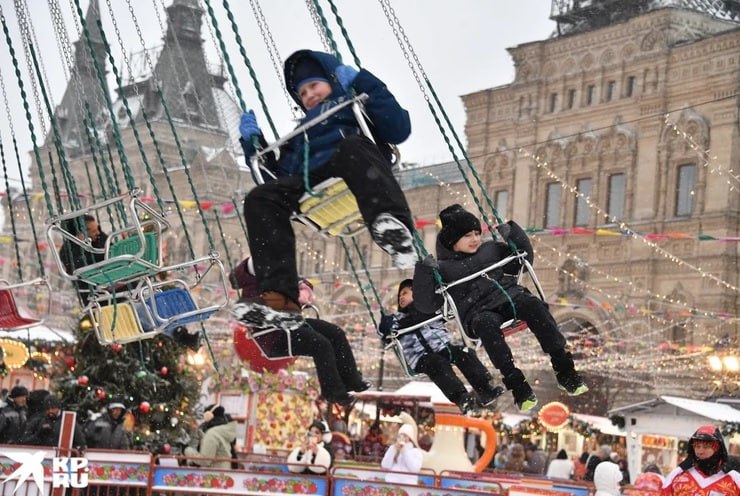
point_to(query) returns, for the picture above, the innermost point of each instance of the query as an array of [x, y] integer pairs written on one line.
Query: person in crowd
[[43, 428], [486, 302], [374, 443], [651, 465], [517, 461], [109, 430], [73, 256], [217, 442], [326, 343], [317, 82], [561, 467], [13, 416], [607, 479], [579, 466], [615, 457], [602, 455], [403, 456], [706, 470], [651, 478], [428, 350], [315, 454], [536, 459], [501, 457]]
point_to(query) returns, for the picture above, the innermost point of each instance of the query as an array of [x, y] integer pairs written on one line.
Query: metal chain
[[318, 25], [277, 62], [23, 26]]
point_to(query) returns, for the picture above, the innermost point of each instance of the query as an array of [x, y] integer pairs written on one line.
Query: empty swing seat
[[10, 319], [172, 308], [333, 211], [118, 323], [125, 261]]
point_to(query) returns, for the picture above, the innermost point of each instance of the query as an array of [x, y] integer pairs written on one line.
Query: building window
[[571, 99], [552, 205], [583, 211], [553, 102], [611, 87], [502, 202], [685, 189], [630, 89], [302, 262], [521, 106], [615, 205], [590, 94]]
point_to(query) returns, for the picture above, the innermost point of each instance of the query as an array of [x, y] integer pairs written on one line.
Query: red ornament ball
[[116, 347], [144, 407], [166, 448], [69, 362], [83, 380], [100, 394], [164, 371]]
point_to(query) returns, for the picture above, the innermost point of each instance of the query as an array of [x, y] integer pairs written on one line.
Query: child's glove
[[504, 231], [430, 262], [388, 323], [248, 126], [346, 75]]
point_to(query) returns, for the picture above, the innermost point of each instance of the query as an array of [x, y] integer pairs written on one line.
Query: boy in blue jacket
[[336, 147], [486, 302], [428, 350]]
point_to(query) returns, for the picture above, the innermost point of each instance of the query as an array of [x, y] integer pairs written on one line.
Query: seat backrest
[[118, 322], [132, 246], [7, 303]]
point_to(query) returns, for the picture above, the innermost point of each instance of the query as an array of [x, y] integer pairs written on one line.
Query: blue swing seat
[[170, 309]]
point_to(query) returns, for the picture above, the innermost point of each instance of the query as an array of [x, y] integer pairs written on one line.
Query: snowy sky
[[461, 45]]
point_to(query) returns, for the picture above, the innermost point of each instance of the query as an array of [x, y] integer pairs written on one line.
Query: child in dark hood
[[706, 470], [428, 350], [484, 303], [326, 343], [334, 148]]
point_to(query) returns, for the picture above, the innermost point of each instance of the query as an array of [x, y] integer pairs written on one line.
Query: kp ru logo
[[66, 471]]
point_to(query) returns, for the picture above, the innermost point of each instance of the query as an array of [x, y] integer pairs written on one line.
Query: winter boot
[[269, 309], [361, 386], [469, 405], [571, 382], [524, 397], [488, 397], [395, 239], [185, 338]]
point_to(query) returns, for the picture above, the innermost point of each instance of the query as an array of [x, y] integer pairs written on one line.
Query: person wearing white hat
[[403, 456]]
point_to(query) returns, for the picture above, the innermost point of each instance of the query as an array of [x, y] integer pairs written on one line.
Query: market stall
[[658, 426]]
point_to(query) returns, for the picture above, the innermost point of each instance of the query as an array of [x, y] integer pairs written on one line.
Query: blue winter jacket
[[389, 122]]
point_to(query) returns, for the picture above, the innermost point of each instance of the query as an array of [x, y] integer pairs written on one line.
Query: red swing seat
[[255, 351], [10, 319], [515, 327]]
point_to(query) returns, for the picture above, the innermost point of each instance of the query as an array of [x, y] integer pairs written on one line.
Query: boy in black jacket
[[336, 147], [486, 302], [428, 350]]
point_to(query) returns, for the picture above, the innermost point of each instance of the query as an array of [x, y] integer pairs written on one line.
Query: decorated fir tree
[[148, 376]]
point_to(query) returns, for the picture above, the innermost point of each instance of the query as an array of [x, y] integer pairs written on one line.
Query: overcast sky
[[461, 45]]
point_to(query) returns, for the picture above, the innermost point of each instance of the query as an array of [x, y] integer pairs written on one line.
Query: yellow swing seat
[[332, 210], [117, 322]]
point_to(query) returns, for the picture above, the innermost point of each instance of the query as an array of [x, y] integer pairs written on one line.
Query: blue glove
[[248, 125], [345, 75]]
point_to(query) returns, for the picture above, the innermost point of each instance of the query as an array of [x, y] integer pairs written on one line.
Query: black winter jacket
[[477, 294], [12, 423]]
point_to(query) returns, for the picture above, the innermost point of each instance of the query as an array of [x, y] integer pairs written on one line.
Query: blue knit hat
[[307, 69]]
